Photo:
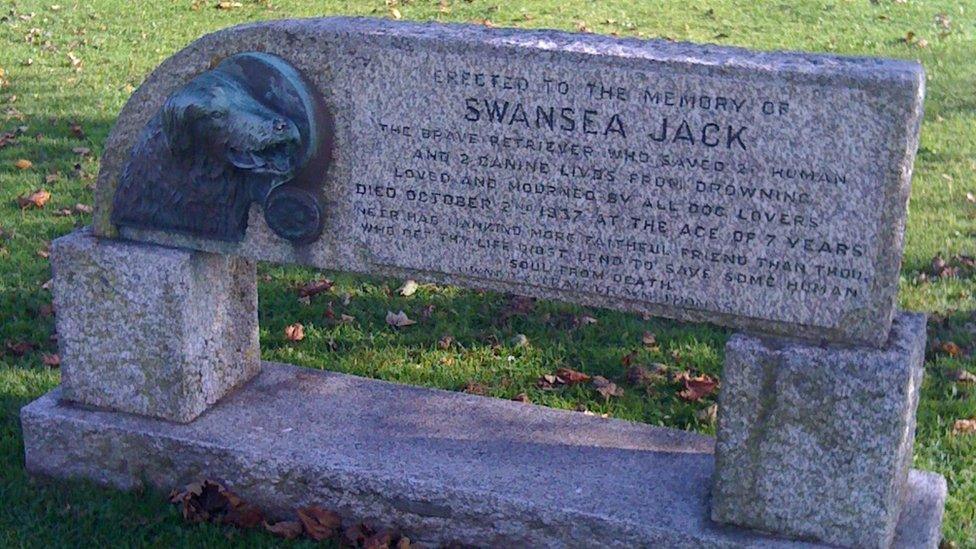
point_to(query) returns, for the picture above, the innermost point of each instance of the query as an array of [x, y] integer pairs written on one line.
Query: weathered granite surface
[[441, 466], [152, 330], [756, 190], [815, 441]]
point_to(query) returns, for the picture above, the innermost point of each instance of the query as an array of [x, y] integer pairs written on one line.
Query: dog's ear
[[178, 114]]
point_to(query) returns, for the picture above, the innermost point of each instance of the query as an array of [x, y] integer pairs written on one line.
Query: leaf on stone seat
[[319, 523]]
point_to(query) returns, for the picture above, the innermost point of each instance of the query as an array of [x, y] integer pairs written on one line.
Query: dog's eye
[[216, 114]]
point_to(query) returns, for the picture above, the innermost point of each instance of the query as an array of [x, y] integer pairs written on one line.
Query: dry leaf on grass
[[708, 415], [697, 387], [409, 288], [288, 529], [19, 348], [315, 287], [569, 376], [961, 376], [520, 340], [964, 427], [649, 340], [951, 349], [522, 397], [51, 360], [294, 332], [319, 523], [606, 387], [641, 375], [445, 342], [474, 388], [36, 199], [399, 319]]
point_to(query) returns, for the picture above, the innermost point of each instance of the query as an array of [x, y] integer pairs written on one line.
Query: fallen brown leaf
[[629, 358], [228, 5], [522, 397], [951, 349], [23, 164], [640, 375], [961, 376], [288, 529], [319, 523], [76, 130], [36, 199], [380, 540], [520, 340], [696, 388], [19, 348], [606, 387], [244, 515], [964, 427], [708, 415], [445, 342], [649, 340], [568, 376], [315, 287], [399, 320], [51, 360], [355, 535], [295, 332], [409, 288], [474, 388], [201, 501]]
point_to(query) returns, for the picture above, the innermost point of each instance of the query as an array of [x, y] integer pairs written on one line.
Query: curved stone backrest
[[763, 191]]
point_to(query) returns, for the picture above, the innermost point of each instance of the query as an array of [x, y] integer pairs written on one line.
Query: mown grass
[[118, 42]]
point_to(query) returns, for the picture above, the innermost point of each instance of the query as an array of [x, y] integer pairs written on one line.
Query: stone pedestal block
[[814, 441], [152, 330]]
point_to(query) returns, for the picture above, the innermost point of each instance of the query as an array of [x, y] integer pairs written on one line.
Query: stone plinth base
[[816, 441], [437, 465], [151, 330]]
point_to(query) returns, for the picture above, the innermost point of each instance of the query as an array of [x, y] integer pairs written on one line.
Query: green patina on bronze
[[252, 129]]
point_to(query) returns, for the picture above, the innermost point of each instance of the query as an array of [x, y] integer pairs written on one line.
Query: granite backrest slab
[[763, 191]]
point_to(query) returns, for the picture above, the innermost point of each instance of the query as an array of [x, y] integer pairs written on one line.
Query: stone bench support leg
[[151, 330], [814, 441]]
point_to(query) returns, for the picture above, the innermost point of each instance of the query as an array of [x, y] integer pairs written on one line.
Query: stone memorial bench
[[766, 192]]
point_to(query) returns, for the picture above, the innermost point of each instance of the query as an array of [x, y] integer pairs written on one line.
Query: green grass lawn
[[68, 69]]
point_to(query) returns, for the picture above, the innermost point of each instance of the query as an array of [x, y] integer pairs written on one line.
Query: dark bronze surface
[[250, 130]]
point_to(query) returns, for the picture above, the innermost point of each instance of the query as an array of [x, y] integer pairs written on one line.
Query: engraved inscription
[[688, 191]]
